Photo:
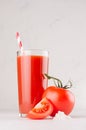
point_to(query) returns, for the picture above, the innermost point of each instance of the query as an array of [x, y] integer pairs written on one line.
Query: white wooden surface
[[11, 121]]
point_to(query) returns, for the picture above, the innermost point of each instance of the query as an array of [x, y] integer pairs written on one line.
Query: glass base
[[22, 115]]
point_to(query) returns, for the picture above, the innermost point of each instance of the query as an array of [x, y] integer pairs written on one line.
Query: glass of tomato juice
[[31, 67]]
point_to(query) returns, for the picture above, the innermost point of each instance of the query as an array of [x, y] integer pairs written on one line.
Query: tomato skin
[[43, 109], [62, 99]]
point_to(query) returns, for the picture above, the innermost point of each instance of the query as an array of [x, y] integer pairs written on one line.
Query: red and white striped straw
[[19, 41]]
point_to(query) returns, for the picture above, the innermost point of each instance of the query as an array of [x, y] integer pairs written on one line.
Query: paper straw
[[19, 41]]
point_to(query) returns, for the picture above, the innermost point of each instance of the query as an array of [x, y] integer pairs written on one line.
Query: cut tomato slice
[[43, 109]]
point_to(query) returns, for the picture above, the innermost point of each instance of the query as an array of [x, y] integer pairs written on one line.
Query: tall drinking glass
[[31, 66]]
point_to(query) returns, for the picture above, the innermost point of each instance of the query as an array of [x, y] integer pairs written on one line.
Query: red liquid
[[31, 82]]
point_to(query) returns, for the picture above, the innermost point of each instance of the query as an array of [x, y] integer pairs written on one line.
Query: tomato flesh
[[43, 109]]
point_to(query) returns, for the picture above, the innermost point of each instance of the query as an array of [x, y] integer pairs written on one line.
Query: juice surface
[[31, 81]]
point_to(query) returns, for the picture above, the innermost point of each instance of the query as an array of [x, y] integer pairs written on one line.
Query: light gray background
[[58, 26]]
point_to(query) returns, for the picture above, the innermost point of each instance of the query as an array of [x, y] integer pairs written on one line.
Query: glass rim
[[33, 52]]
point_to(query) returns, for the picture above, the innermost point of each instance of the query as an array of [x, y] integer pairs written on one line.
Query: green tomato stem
[[59, 83], [58, 80]]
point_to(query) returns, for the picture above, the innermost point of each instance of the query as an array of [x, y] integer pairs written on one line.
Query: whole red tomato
[[62, 99]]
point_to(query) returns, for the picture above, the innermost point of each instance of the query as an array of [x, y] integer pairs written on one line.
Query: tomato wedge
[[43, 109]]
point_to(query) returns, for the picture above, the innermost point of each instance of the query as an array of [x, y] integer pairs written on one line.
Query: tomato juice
[[31, 80]]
